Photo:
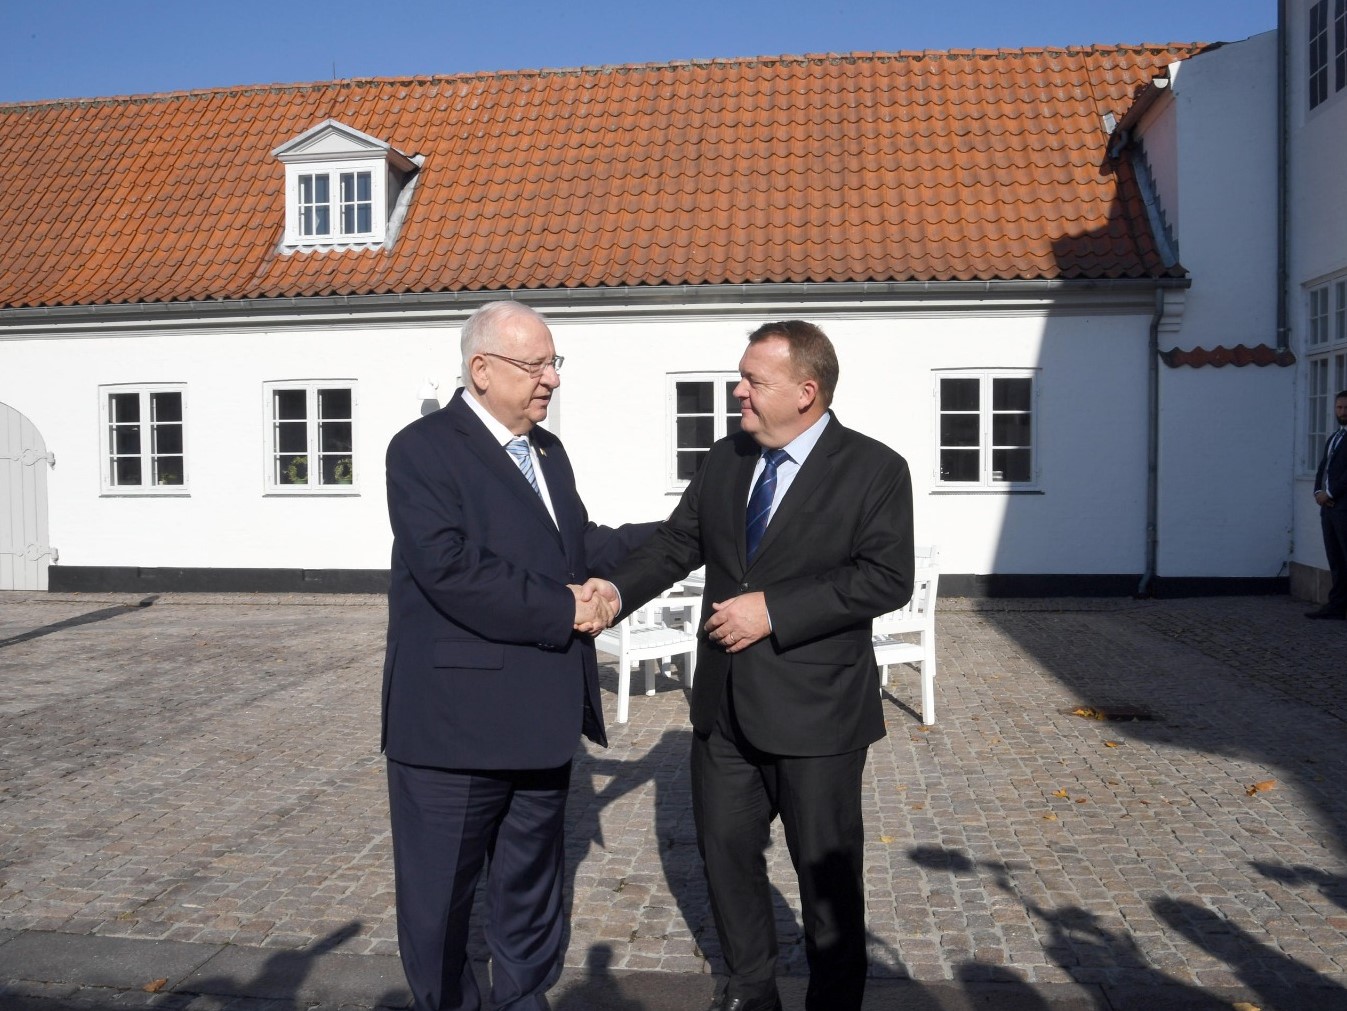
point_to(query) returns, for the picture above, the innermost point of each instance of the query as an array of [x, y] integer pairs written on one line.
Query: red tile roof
[[962, 165]]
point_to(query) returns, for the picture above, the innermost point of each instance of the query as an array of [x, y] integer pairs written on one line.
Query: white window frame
[[151, 460], [722, 405], [986, 412], [1326, 50], [1338, 27], [332, 151], [1326, 363], [333, 172], [277, 474], [1316, 55]]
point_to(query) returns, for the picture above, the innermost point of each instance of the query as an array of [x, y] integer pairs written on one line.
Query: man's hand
[[739, 622], [595, 605], [1321, 498]]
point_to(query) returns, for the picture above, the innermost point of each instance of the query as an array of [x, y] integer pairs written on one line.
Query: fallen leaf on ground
[[1088, 713], [1082, 800], [1263, 787], [1113, 744], [1049, 817], [154, 986], [1060, 793], [886, 839]]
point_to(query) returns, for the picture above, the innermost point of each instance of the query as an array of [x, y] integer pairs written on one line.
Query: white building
[[216, 307]]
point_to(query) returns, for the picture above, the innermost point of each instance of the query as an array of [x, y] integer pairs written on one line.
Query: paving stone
[[204, 771]]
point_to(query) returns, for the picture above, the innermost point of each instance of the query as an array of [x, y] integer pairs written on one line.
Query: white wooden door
[[25, 551]]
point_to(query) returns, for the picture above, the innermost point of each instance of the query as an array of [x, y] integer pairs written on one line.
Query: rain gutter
[[745, 299]]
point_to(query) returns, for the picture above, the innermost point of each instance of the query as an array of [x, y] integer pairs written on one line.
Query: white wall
[[612, 412], [1318, 230], [227, 520], [1224, 431], [1091, 422]]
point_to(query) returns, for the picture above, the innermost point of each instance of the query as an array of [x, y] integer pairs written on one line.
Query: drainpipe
[[1152, 445], [1283, 326]]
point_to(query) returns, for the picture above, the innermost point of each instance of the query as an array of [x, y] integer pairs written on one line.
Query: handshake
[[596, 605]]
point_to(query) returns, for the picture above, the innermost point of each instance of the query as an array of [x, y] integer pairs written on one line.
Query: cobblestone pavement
[[206, 768]]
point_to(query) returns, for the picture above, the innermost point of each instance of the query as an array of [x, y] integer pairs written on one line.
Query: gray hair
[[482, 330]]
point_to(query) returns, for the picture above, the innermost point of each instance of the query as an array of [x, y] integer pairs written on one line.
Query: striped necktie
[[518, 448], [760, 502]]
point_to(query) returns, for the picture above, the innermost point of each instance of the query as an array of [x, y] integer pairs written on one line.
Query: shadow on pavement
[[80, 619], [1079, 943]]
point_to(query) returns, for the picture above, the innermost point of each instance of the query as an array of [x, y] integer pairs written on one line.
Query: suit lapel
[[812, 476], [560, 481], [497, 461]]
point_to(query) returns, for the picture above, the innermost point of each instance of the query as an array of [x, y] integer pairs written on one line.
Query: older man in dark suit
[[490, 675], [1330, 491], [786, 699]]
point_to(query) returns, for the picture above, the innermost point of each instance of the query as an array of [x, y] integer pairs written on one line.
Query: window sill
[[981, 490], [144, 493], [311, 493]]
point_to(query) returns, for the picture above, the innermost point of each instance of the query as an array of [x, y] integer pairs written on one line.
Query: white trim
[[720, 402], [313, 450], [146, 426], [331, 150], [987, 481]]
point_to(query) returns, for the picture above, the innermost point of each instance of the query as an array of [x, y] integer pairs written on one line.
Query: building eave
[[1121, 294]]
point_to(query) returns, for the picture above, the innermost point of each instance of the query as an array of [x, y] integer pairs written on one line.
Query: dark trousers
[[446, 825], [736, 792], [1333, 520]]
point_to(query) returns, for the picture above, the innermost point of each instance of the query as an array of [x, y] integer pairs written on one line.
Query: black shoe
[[728, 1003], [1325, 612]]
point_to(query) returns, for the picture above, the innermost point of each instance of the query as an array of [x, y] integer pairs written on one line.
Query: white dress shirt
[[503, 435]]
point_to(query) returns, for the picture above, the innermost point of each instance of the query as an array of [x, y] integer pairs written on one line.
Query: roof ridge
[[595, 69]]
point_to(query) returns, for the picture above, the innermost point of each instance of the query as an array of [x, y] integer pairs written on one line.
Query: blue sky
[[86, 48]]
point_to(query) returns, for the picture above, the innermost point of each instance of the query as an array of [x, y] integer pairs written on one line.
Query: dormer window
[[344, 188]]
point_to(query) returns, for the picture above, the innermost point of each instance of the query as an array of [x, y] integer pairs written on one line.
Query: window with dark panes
[[1318, 53], [315, 205], [312, 442], [985, 428], [352, 211], [1012, 435], [1326, 364], [704, 410], [357, 203], [960, 429], [1339, 44], [145, 448]]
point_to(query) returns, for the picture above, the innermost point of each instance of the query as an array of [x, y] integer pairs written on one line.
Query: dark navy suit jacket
[[482, 669], [837, 553], [1334, 470]]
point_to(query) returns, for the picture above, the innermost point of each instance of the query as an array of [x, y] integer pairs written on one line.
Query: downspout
[[1283, 230], [1152, 445]]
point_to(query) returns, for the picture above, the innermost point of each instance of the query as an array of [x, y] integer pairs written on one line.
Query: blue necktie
[[760, 502], [519, 449]]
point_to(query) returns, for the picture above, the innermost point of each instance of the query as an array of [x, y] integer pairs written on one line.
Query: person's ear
[[808, 394], [479, 373]]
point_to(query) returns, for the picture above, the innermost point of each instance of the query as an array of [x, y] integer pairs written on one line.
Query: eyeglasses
[[534, 369]]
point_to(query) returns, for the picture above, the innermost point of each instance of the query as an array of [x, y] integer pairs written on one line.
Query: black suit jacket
[[1335, 470], [837, 553], [482, 669]]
